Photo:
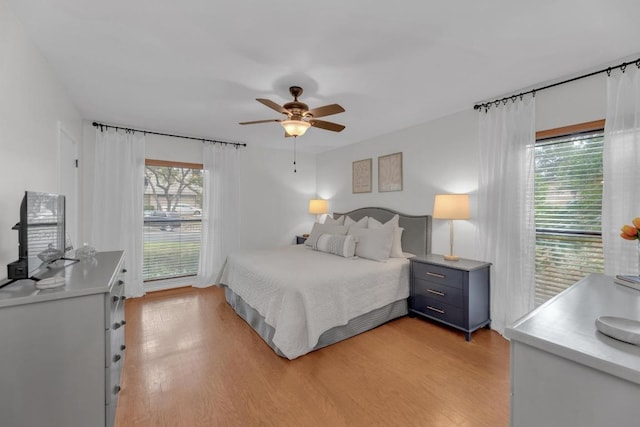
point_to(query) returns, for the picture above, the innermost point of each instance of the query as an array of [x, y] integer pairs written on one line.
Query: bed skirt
[[354, 327]]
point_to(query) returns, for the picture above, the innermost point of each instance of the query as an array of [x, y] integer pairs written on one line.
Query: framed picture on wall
[[390, 172], [361, 176]]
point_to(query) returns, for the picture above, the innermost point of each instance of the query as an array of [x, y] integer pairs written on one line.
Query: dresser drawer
[[114, 338], [446, 294], [437, 309], [113, 301], [114, 341], [112, 385], [437, 274]]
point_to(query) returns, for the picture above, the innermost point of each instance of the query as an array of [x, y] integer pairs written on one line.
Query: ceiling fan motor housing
[[296, 108]]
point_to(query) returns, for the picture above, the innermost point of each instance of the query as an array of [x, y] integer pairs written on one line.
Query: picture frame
[[361, 179], [390, 172]]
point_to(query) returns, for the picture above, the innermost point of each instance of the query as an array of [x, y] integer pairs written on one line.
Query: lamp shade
[[451, 206], [318, 206], [295, 127]]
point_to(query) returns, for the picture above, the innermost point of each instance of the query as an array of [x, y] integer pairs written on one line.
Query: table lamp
[[451, 206], [318, 207]]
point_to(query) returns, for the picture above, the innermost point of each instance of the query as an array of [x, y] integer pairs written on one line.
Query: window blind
[[172, 219], [171, 253], [568, 207]]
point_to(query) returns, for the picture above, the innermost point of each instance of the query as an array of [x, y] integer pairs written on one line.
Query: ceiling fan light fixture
[[295, 127]]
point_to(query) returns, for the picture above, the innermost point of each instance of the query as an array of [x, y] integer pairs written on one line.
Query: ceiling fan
[[299, 116]]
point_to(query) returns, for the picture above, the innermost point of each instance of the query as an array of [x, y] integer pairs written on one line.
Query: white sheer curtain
[[220, 202], [506, 226], [621, 168], [118, 186]]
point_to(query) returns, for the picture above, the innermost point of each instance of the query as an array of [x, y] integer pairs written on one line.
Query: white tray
[[626, 330]]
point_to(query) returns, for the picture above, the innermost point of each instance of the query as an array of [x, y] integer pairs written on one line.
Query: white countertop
[[565, 326], [102, 267]]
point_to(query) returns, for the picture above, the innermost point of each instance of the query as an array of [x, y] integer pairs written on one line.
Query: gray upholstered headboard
[[416, 237]]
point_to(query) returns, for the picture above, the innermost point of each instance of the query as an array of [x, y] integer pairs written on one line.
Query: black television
[[41, 234]]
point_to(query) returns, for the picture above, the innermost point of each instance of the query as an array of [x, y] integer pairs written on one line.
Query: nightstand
[[455, 293], [300, 240]]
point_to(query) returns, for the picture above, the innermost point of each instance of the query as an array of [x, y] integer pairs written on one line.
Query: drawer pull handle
[[116, 325], [437, 310], [431, 291], [116, 358], [123, 298], [116, 389], [124, 322], [123, 347], [120, 282], [124, 270], [115, 299], [441, 276]]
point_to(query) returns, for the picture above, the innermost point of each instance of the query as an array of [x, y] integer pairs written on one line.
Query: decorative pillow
[[393, 222], [396, 247], [330, 221], [344, 246], [373, 243], [361, 223], [319, 229]]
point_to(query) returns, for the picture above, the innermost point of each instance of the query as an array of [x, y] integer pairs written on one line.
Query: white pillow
[[361, 223], [319, 229], [330, 221], [393, 222], [344, 246], [396, 247], [372, 243]]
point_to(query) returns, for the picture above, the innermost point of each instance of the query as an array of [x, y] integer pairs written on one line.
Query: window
[[172, 219], [568, 207]]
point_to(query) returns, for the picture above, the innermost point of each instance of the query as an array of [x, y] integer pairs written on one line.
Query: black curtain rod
[[504, 100], [102, 125]]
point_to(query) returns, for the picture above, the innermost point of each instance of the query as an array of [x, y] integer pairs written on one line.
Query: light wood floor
[[191, 361]]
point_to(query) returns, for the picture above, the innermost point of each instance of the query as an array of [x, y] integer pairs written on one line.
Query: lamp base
[[451, 257]]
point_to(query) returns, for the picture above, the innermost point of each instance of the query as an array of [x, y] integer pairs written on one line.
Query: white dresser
[[566, 373], [61, 350]]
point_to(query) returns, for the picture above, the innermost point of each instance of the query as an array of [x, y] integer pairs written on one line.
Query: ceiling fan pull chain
[[294, 154]]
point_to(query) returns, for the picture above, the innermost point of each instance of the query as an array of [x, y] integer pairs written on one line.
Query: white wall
[[441, 156], [437, 157], [274, 201], [33, 105]]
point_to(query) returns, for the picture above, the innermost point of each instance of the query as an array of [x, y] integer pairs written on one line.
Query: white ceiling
[[195, 67]]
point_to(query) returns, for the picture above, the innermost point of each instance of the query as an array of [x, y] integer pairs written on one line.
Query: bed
[[299, 299]]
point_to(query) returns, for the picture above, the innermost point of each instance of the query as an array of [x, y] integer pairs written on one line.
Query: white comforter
[[302, 293]]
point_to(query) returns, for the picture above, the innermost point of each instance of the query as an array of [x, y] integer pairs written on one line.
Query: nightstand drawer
[[437, 309], [437, 274], [446, 294]]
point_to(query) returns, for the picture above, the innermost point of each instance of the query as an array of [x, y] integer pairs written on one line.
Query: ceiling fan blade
[[326, 125], [259, 121], [327, 110], [269, 103]]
